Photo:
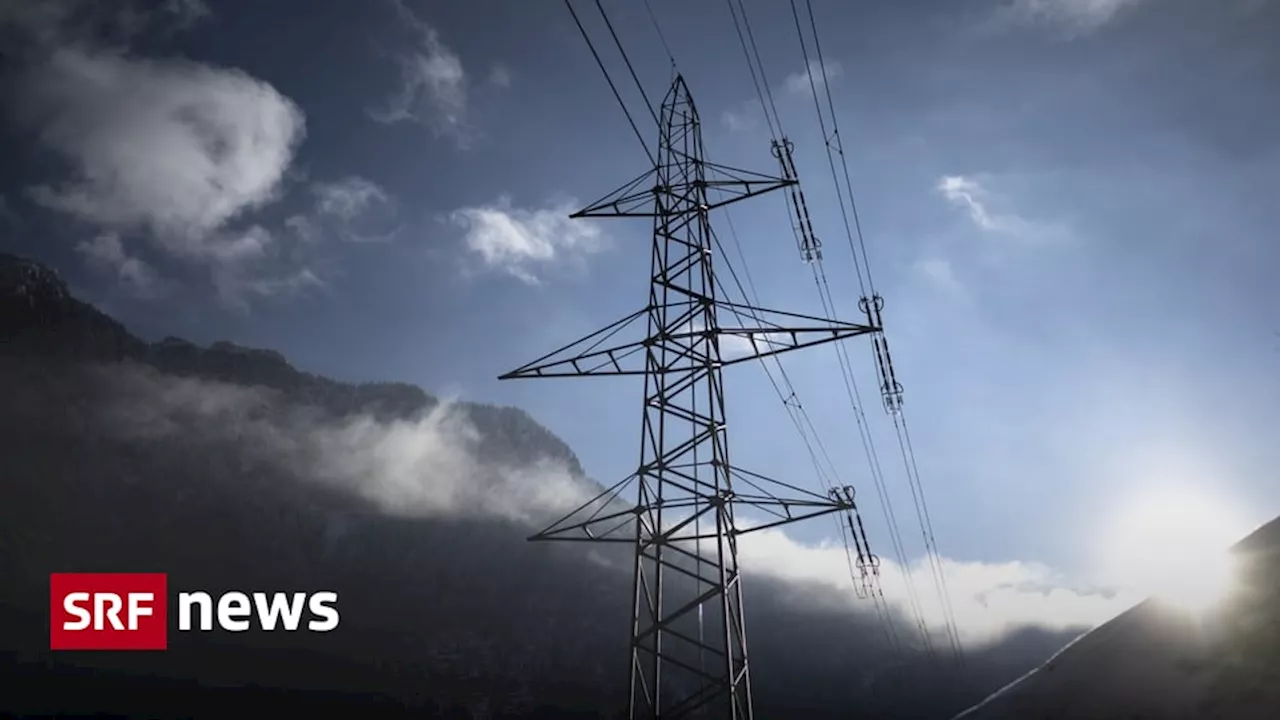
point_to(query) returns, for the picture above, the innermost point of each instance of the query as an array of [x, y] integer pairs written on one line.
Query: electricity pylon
[[688, 652]]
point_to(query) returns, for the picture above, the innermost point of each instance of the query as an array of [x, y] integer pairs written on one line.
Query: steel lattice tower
[[688, 655]]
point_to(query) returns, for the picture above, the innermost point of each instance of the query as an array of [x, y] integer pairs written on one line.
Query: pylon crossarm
[[636, 198], [793, 519], [759, 315], [583, 348], [801, 505], [782, 340], [630, 200], [563, 531], [588, 528], [602, 501], [629, 358], [760, 482]]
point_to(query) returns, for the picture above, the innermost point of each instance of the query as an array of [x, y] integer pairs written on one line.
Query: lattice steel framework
[[688, 655]]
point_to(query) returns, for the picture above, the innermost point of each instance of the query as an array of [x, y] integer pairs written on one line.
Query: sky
[[1066, 206]]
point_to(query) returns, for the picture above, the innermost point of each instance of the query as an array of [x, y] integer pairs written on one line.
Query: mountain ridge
[[1155, 661], [41, 318], [227, 467]]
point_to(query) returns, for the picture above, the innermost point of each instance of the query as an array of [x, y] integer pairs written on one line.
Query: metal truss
[[688, 650]]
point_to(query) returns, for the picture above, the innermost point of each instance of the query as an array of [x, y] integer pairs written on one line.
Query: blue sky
[[1067, 206]]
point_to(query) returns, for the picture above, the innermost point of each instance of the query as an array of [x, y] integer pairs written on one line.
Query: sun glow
[[1171, 543]]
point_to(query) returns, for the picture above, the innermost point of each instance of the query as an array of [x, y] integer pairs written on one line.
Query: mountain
[[229, 468], [1155, 661], [40, 319]]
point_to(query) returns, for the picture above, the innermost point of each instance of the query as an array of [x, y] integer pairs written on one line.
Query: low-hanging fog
[[417, 515]]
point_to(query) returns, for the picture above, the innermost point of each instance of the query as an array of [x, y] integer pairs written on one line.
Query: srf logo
[[108, 611], [130, 611]]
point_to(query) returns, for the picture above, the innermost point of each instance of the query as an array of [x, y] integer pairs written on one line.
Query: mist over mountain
[[1159, 661], [229, 469]]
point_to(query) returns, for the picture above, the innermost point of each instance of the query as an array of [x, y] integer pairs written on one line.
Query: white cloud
[[244, 266], [988, 600], [940, 273], [973, 196], [347, 198], [187, 12], [431, 465], [500, 76], [433, 85], [820, 73], [360, 209], [421, 466], [173, 152], [56, 23], [519, 242], [968, 194], [1075, 16], [175, 147], [304, 228], [107, 253], [739, 118]]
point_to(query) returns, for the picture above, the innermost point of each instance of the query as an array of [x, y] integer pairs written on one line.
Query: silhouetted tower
[[688, 655]]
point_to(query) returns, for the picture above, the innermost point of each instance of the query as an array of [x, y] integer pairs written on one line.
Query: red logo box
[[108, 611]]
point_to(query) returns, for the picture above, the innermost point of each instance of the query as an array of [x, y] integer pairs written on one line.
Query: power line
[[839, 148], [800, 418], [626, 59], [890, 387], [662, 38], [811, 248], [755, 79], [822, 125], [612, 86]]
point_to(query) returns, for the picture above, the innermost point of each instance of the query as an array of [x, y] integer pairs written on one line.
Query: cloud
[[500, 76], [173, 152], [347, 198], [740, 118], [45, 25], [174, 147], [968, 194], [187, 12], [989, 600], [746, 115], [431, 464], [304, 228], [940, 273], [973, 196], [820, 74], [425, 465], [1074, 16], [433, 85], [246, 265], [519, 242], [106, 252], [360, 210]]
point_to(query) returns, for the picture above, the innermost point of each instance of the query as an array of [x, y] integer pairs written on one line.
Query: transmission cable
[[612, 86], [800, 418], [630, 68], [756, 69], [755, 78], [662, 38], [891, 386]]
